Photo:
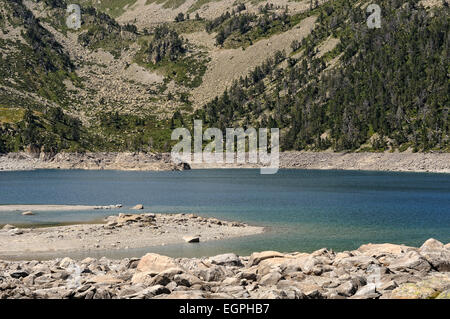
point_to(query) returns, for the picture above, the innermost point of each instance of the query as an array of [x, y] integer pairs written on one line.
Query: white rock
[[191, 239]]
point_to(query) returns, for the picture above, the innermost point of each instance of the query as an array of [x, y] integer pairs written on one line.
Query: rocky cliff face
[[372, 271]]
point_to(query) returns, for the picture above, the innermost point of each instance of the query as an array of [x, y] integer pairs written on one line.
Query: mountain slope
[[138, 68], [389, 89]]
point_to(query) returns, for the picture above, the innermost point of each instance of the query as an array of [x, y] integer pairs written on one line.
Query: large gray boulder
[[226, 260], [436, 254], [256, 258], [410, 261]]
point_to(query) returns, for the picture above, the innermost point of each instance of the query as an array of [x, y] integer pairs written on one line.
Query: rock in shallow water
[[191, 239]]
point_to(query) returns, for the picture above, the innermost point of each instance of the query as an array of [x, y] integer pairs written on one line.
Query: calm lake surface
[[304, 209]]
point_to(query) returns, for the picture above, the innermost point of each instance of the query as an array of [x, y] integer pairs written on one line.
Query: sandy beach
[[123, 231]]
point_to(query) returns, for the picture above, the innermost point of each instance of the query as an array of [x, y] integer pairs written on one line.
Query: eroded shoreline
[[435, 162]]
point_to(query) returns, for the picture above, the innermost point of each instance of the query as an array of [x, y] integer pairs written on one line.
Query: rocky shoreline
[[90, 161], [396, 162], [373, 271], [118, 232], [437, 162]]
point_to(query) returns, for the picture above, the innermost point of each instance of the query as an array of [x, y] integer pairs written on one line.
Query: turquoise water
[[303, 209]]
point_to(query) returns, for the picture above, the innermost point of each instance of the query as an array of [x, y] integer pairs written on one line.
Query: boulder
[[8, 227], [444, 295], [431, 244], [309, 288], [271, 294], [268, 265], [186, 280], [413, 291], [191, 239], [214, 273], [50, 293], [155, 263], [372, 295], [88, 261], [15, 231], [143, 277], [256, 258], [436, 254], [65, 262], [231, 281], [307, 265], [104, 279], [412, 261], [172, 272], [390, 285], [159, 279], [19, 274], [191, 294], [437, 281], [366, 290], [226, 260], [377, 250], [249, 274], [346, 289], [361, 262], [270, 279], [102, 293], [147, 293], [128, 218], [430, 287]]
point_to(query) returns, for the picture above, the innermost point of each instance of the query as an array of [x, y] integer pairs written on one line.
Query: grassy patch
[[187, 70], [11, 115], [187, 26], [168, 4], [198, 4], [120, 132], [237, 39], [114, 8]]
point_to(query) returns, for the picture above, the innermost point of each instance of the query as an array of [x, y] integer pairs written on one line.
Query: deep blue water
[[304, 209]]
